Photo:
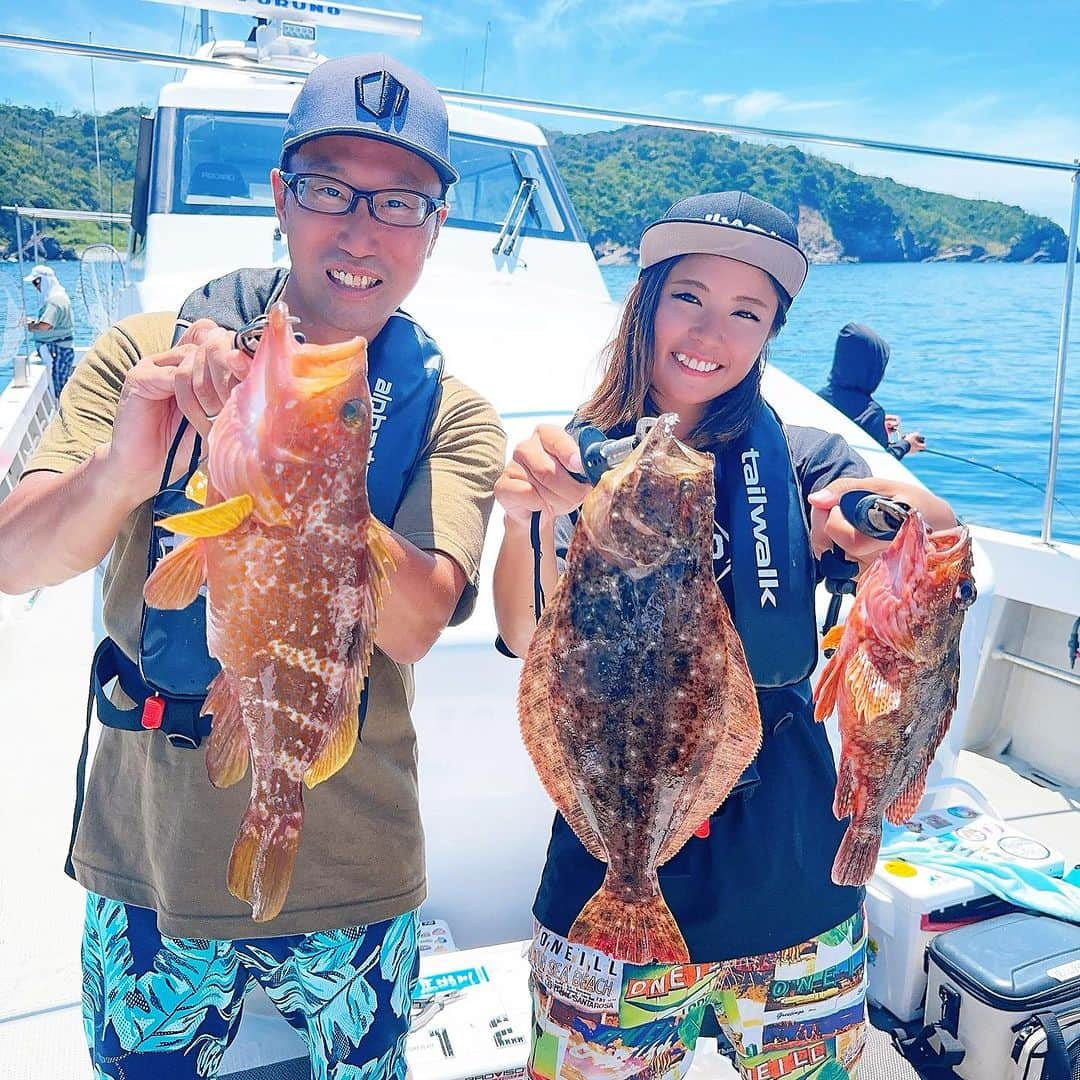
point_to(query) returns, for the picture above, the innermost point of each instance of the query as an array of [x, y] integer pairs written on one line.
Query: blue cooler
[[987, 984]]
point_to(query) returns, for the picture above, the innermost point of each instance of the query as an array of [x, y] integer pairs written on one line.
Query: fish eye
[[686, 488], [965, 593], [353, 412]]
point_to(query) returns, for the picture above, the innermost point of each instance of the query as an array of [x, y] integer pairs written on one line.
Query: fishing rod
[[1001, 472]]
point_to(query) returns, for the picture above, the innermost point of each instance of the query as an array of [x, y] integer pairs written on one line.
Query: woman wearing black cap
[[776, 949]]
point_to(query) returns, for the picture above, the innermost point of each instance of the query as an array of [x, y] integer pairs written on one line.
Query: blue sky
[[997, 75]]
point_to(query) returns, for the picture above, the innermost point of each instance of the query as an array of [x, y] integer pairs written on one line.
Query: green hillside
[[48, 159], [619, 180]]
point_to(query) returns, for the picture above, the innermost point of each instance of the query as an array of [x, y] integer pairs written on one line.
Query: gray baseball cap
[[734, 224], [378, 97]]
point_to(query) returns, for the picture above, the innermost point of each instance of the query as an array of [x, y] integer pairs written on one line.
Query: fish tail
[[639, 931], [264, 852], [857, 855]]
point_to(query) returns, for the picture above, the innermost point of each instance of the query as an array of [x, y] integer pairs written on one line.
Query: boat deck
[[46, 640]]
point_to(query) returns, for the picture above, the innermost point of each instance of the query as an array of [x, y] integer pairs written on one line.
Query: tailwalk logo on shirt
[[756, 496], [380, 402]]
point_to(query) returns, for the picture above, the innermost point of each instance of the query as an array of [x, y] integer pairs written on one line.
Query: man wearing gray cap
[[360, 195], [54, 326]]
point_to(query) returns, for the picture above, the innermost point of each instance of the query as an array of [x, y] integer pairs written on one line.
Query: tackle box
[[988, 982], [471, 1014], [908, 905]]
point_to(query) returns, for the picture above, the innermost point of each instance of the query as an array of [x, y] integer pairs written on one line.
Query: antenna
[[315, 13]]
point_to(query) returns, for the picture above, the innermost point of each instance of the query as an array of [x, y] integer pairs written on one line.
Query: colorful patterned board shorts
[[161, 1008], [798, 1014]]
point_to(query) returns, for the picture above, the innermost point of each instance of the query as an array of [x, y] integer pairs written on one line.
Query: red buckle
[[152, 711], [702, 830]]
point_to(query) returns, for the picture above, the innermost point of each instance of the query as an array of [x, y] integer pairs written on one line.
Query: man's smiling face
[[349, 271]]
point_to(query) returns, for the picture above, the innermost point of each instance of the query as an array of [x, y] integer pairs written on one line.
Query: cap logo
[[738, 223], [380, 95]]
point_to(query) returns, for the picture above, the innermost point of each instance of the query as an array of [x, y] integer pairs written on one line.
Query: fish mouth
[[947, 544], [661, 450]]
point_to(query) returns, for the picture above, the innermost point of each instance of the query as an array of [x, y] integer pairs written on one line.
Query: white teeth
[[694, 364], [353, 281]]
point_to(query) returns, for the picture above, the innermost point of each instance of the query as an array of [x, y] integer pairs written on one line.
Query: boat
[[514, 259]]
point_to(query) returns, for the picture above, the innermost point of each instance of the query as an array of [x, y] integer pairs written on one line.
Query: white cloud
[[758, 103]]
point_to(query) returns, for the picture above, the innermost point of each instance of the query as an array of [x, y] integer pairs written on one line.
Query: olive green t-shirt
[[154, 832]]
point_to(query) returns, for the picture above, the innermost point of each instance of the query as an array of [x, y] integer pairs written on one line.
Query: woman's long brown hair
[[623, 394]]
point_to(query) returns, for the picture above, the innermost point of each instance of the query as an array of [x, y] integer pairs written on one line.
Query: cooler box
[[907, 905], [471, 1014], [985, 981]]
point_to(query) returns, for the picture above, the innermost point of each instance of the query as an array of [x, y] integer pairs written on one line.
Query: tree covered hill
[[49, 159], [619, 180]]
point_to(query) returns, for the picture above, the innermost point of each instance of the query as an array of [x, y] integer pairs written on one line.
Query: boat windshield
[[209, 162]]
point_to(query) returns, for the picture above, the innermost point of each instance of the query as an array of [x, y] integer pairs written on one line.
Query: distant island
[[619, 181], [622, 180]]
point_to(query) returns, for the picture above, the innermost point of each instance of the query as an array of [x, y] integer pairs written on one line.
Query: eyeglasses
[[391, 206]]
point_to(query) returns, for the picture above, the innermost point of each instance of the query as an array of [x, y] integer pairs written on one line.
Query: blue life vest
[[404, 373]]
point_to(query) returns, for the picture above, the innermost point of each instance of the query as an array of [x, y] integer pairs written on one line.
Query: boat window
[[223, 163], [219, 163], [491, 173]]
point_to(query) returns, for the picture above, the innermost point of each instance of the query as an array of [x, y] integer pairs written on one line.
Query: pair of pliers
[[873, 514], [247, 337], [599, 453]]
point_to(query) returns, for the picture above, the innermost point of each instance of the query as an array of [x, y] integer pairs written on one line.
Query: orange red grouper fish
[[894, 677], [295, 568], [636, 704]]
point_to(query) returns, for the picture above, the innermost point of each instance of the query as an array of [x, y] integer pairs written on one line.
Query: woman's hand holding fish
[[828, 525], [537, 478]]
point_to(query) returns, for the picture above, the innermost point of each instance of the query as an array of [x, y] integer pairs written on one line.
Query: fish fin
[[536, 710], [832, 637], [340, 742], [214, 520], [197, 487], [731, 726], [383, 563], [828, 687], [907, 802], [378, 565], [229, 748], [176, 580], [844, 800], [639, 931], [872, 693], [857, 854], [264, 852]]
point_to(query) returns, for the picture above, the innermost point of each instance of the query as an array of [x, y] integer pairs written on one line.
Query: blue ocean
[[974, 349]]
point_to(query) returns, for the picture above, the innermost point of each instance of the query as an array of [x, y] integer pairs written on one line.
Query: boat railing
[[557, 108], [25, 412]]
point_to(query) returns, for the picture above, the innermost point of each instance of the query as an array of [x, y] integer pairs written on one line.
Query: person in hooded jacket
[[858, 367]]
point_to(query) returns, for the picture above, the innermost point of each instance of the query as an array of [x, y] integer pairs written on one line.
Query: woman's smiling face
[[713, 319]]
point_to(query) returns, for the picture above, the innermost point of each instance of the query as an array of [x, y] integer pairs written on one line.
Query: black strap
[[1056, 1065], [538, 588]]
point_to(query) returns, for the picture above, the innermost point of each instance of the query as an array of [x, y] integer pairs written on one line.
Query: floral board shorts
[[797, 1014], [162, 1008]]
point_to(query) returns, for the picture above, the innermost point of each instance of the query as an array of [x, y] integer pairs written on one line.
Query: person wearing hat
[[54, 326], [751, 892], [859, 361], [360, 193]]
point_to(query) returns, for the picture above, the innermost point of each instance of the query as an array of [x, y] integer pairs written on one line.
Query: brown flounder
[[894, 678], [636, 704]]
